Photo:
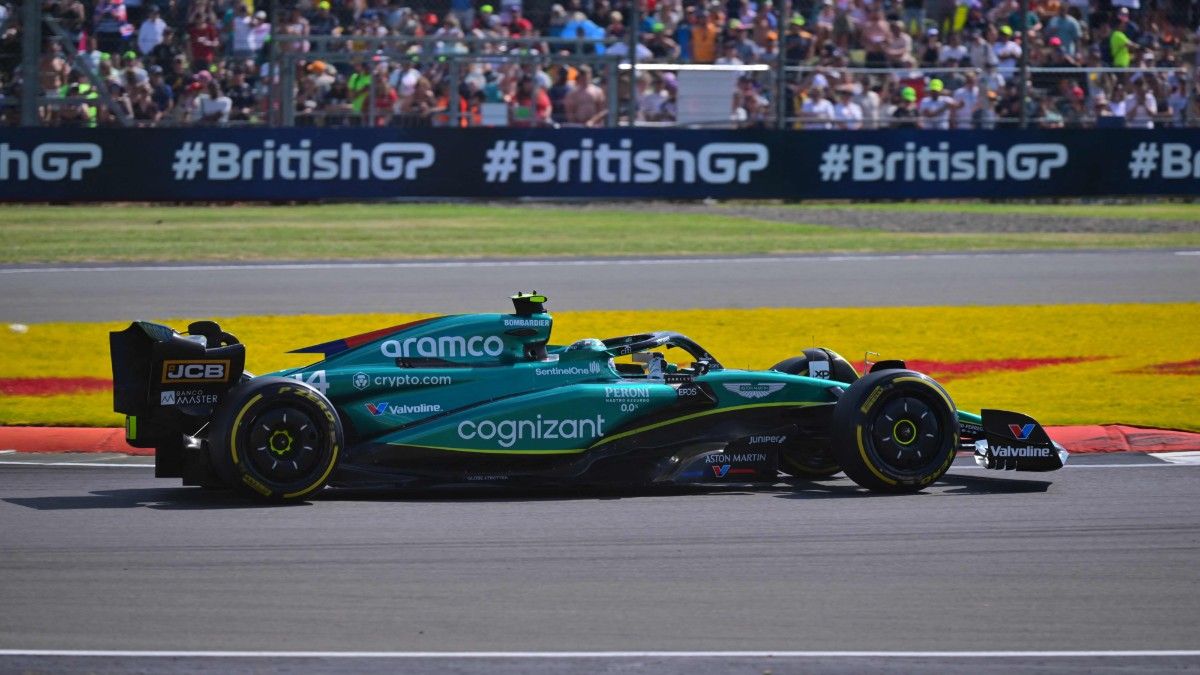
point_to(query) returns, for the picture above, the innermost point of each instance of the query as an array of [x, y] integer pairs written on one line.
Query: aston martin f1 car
[[486, 399]]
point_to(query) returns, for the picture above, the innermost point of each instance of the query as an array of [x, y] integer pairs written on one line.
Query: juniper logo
[[753, 390]]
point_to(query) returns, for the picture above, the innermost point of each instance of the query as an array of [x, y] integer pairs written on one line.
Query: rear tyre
[[275, 438], [895, 431]]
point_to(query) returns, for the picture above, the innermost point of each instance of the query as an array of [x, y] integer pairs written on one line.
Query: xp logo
[[720, 471], [1019, 432], [211, 370], [378, 408], [361, 381]]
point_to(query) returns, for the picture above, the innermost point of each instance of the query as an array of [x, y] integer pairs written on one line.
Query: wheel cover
[[907, 433], [283, 443]]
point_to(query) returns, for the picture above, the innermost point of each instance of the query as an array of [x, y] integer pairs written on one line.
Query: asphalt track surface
[[121, 292], [1094, 559]]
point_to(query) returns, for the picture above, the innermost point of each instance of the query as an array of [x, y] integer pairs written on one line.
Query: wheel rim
[[284, 444], [907, 433]]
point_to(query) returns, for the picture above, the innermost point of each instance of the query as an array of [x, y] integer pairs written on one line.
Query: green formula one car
[[484, 398]]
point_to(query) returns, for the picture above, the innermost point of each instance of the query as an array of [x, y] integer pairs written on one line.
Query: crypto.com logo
[[50, 162]]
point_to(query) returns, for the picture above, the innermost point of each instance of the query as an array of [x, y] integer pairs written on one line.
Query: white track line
[[107, 466], [1140, 653], [591, 262], [1189, 457]]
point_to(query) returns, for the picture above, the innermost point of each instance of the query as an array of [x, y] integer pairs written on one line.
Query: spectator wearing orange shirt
[[705, 33]]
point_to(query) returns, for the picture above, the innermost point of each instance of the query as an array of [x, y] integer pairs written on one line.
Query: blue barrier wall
[[307, 164]]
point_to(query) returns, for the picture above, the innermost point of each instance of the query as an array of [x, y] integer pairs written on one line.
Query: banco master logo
[[506, 433], [620, 163], [300, 162], [50, 162], [446, 346], [866, 162], [753, 390]]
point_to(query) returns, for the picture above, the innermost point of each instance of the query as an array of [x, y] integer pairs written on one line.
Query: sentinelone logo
[[49, 162], [865, 162], [230, 161], [620, 163]]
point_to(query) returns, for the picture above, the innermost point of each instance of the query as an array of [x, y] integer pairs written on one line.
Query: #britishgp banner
[[65, 165]]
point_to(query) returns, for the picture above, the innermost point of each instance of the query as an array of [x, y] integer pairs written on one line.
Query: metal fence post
[[1024, 69], [634, 26], [287, 90], [31, 49]]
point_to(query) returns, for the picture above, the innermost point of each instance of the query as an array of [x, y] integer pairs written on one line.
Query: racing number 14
[[315, 379]]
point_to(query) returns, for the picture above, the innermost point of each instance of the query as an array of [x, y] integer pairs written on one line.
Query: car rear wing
[[167, 383]]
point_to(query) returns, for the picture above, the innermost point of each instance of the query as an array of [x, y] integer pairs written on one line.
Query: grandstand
[[804, 64]]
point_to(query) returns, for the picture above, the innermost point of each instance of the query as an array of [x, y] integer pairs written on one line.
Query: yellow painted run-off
[[1063, 364]]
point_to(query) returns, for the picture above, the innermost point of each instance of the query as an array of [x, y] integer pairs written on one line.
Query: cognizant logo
[[507, 432], [443, 347]]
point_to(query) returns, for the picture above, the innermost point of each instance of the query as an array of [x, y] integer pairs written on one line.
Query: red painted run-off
[[1077, 439]]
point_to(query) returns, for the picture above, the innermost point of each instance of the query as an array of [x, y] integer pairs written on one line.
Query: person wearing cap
[[150, 33], [905, 114], [934, 110], [1006, 50], [798, 44], [323, 22], [160, 91], [846, 113]]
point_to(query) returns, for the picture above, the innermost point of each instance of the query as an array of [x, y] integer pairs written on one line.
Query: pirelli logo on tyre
[[195, 371]]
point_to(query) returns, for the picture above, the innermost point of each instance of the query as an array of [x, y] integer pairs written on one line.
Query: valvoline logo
[[722, 470], [1019, 432], [377, 408]]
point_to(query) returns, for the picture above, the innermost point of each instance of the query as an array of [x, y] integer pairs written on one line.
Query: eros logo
[[205, 370]]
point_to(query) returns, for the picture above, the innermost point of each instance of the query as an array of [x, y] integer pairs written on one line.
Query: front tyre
[[275, 438], [895, 431]]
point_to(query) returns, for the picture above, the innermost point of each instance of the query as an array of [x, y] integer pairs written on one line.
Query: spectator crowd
[[936, 64]]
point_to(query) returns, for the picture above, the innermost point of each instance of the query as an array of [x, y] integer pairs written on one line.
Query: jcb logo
[[195, 371]]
